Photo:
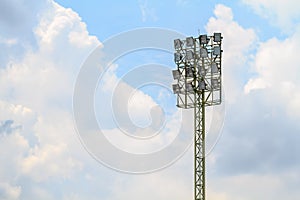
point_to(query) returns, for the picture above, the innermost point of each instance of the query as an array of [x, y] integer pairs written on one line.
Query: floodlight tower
[[198, 84]]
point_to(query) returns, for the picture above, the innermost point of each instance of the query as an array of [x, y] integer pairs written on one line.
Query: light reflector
[[177, 57], [189, 55], [177, 44], [189, 41], [189, 72], [176, 89], [215, 83], [189, 87], [214, 68], [217, 50], [176, 74], [203, 53], [202, 70], [217, 37], [202, 85], [203, 39]]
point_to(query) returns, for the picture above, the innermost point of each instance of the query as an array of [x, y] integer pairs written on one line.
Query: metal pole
[[203, 143], [207, 86], [199, 147]]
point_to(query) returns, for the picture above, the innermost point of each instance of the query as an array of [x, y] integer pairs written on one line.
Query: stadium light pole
[[198, 84]]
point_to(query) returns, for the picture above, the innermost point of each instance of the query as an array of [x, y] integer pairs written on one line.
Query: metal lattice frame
[[198, 85], [199, 147]]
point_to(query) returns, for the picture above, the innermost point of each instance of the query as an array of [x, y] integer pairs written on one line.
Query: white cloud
[[281, 13], [38, 87], [124, 103], [147, 188], [160, 185], [249, 157], [41, 193], [13, 148], [9, 42], [237, 43], [17, 19], [61, 24], [136, 106], [156, 139], [223, 12], [254, 186], [49, 161], [277, 68], [36, 92], [257, 83], [133, 112], [8, 192], [59, 56]]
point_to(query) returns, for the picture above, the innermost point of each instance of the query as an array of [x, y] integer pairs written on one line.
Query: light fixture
[[217, 50], [189, 55], [201, 70], [189, 72], [177, 57], [217, 37], [214, 68], [176, 89], [203, 39], [189, 87], [202, 85], [176, 74], [215, 83], [177, 44], [199, 86], [203, 52], [189, 41]]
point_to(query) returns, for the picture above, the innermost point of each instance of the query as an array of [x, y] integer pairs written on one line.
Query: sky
[[52, 52]]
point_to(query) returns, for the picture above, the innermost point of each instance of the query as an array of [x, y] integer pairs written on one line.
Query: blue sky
[[184, 16], [45, 47]]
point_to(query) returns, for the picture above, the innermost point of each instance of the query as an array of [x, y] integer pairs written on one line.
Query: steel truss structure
[[198, 84]]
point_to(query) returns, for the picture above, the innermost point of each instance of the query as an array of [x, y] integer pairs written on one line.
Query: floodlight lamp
[[189, 72], [177, 44], [217, 37], [217, 50], [202, 70], [177, 57], [202, 85], [214, 68], [189, 55], [215, 83], [189, 87], [176, 89], [176, 74], [203, 39], [189, 41], [203, 53]]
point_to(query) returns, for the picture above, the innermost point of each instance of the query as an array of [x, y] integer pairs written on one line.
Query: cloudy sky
[[45, 44]]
